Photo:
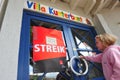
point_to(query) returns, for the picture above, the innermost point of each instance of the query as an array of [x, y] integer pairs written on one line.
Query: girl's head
[[105, 40]]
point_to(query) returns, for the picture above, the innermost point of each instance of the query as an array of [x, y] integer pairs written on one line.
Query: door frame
[[24, 46]]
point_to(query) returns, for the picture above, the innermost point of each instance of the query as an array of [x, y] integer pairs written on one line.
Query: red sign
[[47, 43]]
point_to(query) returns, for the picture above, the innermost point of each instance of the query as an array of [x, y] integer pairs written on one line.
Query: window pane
[[50, 64]]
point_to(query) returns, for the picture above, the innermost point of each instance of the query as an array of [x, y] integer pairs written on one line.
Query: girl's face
[[99, 45]]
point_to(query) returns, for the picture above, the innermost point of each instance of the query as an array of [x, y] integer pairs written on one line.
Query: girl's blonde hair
[[107, 39]]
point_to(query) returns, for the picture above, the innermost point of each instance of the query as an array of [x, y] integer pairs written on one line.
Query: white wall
[[112, 18], [3, 4], [9, 40], [108, 21]]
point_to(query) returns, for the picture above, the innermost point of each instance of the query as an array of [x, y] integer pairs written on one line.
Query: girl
[[110, 56]]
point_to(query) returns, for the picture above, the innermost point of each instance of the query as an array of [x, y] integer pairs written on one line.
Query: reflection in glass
[[84, 46]]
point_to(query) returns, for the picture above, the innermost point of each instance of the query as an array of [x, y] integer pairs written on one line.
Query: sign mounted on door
[[47, 43], [49, 49]]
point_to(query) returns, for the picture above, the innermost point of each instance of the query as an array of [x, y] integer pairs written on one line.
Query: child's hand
[[94, 53], [81, 57]]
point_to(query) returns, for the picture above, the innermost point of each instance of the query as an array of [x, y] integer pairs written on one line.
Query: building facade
[[91, 17]]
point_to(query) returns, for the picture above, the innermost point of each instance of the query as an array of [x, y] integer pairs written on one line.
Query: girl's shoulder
[[112, 49]]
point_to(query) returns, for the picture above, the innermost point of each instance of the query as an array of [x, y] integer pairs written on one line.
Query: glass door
[[48, 43], [83, 43]]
